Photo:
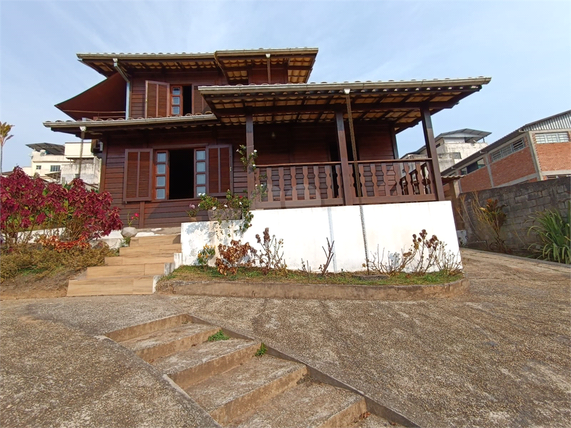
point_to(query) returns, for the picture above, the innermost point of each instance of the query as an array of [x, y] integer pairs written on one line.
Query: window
[[55, 168], [474, 166], [507, 150], [177, 173], [554, 137], [156, 101], [38, 167], [181, 100]]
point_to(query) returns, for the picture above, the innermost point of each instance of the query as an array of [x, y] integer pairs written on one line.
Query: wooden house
[[168, 126]]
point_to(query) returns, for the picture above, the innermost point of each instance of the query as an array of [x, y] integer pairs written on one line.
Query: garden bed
[[250, 282]]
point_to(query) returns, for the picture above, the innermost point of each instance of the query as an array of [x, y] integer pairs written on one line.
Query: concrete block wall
[[522, 201]]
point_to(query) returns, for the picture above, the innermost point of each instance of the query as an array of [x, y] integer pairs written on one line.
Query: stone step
[[127, 270], [138, 284], [308, 404], [142, 259], [228, 395], [133, 331], [145, 241], [208, 359], [159, 250], [162, 343]]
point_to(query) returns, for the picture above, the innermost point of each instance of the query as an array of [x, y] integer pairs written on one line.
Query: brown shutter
[[199, 105], [219, 172], [138, 173], [156, 101]]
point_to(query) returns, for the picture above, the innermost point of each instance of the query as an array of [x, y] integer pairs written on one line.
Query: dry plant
[[328, 257], [271, 255]]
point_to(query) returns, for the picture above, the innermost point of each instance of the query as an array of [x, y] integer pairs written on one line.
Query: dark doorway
[[181, 177]]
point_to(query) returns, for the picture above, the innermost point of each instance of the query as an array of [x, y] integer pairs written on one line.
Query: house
[[64, 162], [536, 151], [453, 146], [169, 127]]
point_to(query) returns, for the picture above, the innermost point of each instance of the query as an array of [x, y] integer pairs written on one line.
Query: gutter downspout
[[128, 95]]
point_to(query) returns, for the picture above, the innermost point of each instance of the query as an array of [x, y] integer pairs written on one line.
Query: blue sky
[[525, 46]]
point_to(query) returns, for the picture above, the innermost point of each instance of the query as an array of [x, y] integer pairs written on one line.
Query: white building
[[63, 163], [454, 146]]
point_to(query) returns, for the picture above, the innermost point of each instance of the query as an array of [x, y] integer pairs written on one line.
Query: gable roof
[[234, 64]]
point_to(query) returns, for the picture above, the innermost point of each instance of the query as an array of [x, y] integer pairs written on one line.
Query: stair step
[[309, 404], [139, 284], [142, 259], [162, 343], [161, 249], [143, 241], [127, 270], [228, 395], [133, 331], [200, 362]]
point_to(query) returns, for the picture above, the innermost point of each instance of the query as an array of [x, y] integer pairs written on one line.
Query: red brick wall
[[554, 156], [476, 180], [512, 167]]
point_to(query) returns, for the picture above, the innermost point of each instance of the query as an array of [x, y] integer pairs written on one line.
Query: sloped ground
[[497, 356]]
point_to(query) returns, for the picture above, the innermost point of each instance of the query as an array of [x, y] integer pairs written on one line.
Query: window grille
[[553, 137], [507, 150], [54, 168]]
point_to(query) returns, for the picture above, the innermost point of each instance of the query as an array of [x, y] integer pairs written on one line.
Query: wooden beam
[[345, 169], [431, 151], [249, 152], [319, 108]]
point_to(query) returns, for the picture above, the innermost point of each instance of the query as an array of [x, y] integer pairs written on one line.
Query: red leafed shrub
[[70, 212]]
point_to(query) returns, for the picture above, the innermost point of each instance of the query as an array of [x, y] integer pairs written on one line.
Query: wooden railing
[[321, 184], [389, 181]]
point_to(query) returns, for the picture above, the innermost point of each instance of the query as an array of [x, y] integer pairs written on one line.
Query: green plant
[[204, 255], [132, 218], [261, 350], [193, 210], [553, 231], [219, 335], [208, 202], [248, 161]]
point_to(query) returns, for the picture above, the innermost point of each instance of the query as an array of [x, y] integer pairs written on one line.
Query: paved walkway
[[497, 356]]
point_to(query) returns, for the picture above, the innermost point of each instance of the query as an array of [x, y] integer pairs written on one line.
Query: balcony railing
[[321, 184]]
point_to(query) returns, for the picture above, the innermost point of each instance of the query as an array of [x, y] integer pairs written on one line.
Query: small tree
[[5, 135]]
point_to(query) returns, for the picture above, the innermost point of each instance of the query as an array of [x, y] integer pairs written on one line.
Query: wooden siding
[[138, 88], [283, 144]]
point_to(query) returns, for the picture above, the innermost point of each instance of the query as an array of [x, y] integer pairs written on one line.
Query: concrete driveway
[[499, 355]]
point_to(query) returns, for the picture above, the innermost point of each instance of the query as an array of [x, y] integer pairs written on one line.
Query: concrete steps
[[135, 271], [236, 387]]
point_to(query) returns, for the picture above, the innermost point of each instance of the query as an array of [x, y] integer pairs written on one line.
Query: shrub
[[554, 234], [43, 260], [30, 204], [233, 256], [271, 256]]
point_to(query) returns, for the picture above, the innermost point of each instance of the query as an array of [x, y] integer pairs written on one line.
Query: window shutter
[[156, 101], [138, 173], [219, 171]]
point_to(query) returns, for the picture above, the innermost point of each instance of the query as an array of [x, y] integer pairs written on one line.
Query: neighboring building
[[454, 146], [169, 127], [62, 163], [537, 151]]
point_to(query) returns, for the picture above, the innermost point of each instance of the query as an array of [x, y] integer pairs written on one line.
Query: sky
[[524, 46]]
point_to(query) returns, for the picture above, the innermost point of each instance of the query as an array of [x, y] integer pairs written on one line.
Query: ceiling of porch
[[396, 103]]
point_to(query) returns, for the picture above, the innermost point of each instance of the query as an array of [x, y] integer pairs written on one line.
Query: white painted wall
[[304, 232]]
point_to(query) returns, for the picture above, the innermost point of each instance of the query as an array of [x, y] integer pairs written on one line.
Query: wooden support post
[[431, 151], [249, 152], [345, 170]]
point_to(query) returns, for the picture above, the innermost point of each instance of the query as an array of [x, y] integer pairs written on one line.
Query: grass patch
[[261, 351], [219, 335], [200, 274]]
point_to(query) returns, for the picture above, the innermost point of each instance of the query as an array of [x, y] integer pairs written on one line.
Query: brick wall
[[479, 179], [521, 202], [512, 167], [554, 156]]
